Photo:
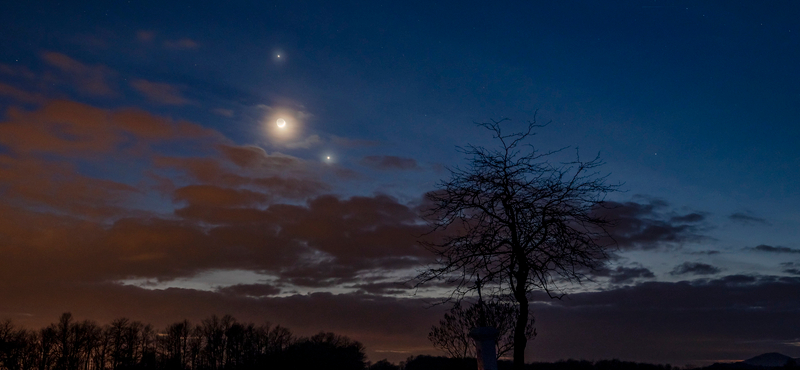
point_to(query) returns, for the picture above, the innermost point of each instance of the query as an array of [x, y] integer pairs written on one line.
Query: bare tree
[[520, 221], [14, 348], [452, 333]]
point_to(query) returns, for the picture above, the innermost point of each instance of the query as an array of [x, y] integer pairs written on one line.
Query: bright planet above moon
[[281, 122]]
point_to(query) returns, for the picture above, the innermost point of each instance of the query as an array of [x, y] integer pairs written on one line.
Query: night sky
[[142, 172]]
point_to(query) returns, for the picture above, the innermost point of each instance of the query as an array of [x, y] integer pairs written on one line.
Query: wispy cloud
[[306, 143], [389, 162], [20, 95], [181, 44], [776, 249], [159, 92], [621, 274], [652, 224], [88, 79], [747, 218], [694, 268], [145, 35]]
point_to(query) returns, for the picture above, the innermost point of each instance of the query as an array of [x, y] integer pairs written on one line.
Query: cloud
[[383, 288], [622, 275], [688, 218], [747, 218], [88, 79], [354, 143], [651, 224], [17, 71], [707, 253], [247, 166], [389, 162], [235, 207], [254, 157], [145, 36], [289, 108], [181, 44], [694, 268], [223, 112], [324, 243], [771, 249], [215, 196], [306, 143], [53, 154], [73, 129], [60, 187], [159, 92], [251, 290], [20, 95], [791, 267]]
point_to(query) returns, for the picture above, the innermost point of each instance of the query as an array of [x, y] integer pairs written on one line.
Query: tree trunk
[[520, 340]]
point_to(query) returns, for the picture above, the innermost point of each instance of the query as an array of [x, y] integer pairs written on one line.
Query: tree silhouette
[[13, 347], [452, 333], [384, 365], [519, 221], [324, 351], [173, 346], [220, 343]]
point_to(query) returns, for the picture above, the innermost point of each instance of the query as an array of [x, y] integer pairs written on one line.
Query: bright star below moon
[[281, 122]]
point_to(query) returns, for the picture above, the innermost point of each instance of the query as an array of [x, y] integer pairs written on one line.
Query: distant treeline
[[444, 363], [216, 343]]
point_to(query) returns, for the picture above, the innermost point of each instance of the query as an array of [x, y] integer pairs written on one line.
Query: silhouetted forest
[[217, 343]]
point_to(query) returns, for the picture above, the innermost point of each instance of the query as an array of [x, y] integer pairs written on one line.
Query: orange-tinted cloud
[[73, 129], [55, 156], [159, 92], [280, 175], [145, 36], [248, 156], [215, 196], [181, 44], [89, 79], [17, 71], [58, 186], [20, 95]]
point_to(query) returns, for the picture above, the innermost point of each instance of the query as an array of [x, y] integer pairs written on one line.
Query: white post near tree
[[485, 338]]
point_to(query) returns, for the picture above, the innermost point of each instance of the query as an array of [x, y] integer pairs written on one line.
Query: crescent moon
[[281, 122]]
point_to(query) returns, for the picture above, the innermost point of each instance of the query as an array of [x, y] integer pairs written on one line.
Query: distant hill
[[761, 362], [772, 359]]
